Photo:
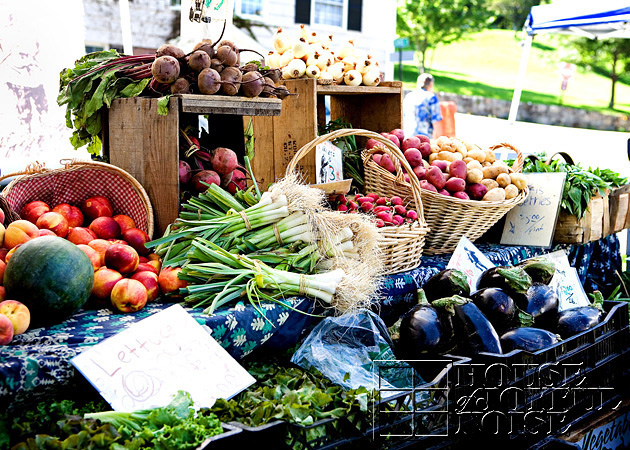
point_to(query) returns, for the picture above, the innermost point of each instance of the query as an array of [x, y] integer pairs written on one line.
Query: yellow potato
[[459, 147], [489, 183], [491, 172], [474, 164], [474, 176], [467, 159], [504, 180], [435, 148], [519, 180], [433, 157], [442, 140], [495, 195], [511, 191], [449, 156], [478, 155], [490, 157]]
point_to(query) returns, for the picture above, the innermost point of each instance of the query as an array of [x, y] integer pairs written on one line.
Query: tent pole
[[520, 79]]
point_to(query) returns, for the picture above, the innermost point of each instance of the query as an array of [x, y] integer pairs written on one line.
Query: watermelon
[[51, 276]]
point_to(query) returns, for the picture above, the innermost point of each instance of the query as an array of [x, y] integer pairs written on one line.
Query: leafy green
[[609, 176], [163, 105]]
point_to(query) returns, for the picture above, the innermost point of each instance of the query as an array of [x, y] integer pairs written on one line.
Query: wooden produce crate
[[277, 139], [146, 144], [619, 203], [593, 226]]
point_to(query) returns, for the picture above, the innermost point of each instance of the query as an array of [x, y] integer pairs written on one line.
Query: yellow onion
[[352, 78], [300, 48], [372, 77], [281, 41], [296, 68], [286, 58], [272, 59], [312, 71], [347, 49]]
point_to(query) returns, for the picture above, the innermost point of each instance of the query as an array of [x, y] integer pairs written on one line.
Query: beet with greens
[[530, 339], [539, 268], [513, 280], [446, 283], [542, 304], [575, 320], [473, 331]]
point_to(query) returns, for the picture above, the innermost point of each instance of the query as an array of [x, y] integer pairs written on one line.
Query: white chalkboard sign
[[533, 222], [146, 364]]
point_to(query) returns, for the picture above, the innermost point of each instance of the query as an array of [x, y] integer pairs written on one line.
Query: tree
[[613, 54], [512, 13], [428, 23]]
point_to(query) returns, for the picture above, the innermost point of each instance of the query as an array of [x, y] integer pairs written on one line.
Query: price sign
[[533, 222], [328, 163], [145, 365]]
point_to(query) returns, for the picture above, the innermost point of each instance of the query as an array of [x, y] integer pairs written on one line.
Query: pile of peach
[[126, 274]]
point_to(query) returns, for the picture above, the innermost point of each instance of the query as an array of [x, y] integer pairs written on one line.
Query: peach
[[150, 282], [100, 245], [18, 314], [95, 257], [146, 267], [129, 295], [123, 258], [104, 281], [105, 227], [46, 232], [169, 281], [125, 222], [2, 230], [96, 206], [118, 241], [10, 253], [156, 263], [6, 329], [3, 253], [19, 232], [73, 215], [3, 294], [153, 256], [54, 222], [81, 235], [3, 266], [2, 216], [143, 259], [32, 210], [137, 238]]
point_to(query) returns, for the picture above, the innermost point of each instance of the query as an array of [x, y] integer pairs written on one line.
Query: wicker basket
[[448, 218], [401, 246], [77, 181]]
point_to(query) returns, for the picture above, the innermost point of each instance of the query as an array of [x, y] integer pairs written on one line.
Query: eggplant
[[539, 268], [542, 304], [575, 320], [513, 280], [527, 338], [473, 331], [423, 334], [446, 283], [500, 309]]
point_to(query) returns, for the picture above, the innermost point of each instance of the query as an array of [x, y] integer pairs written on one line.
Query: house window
[[328, 12], [250, 7]]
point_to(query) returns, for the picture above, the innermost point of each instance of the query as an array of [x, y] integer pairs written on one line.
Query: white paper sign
[[328, 163], [145, 365], [533, 222], [566, 282], [470, 260]]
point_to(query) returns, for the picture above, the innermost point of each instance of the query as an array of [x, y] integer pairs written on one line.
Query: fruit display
[[313, 56], [453, 167]]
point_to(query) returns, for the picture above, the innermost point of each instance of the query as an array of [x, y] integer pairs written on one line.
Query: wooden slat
[[385, 87], [222, 104], [262, 164]]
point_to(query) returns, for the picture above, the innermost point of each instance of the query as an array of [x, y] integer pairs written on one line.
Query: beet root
[[224, 161], [252, 84], [165, 69], [169, 50], [209, 81], [180, 86], [205, 176], [199, 60], [238, 181]]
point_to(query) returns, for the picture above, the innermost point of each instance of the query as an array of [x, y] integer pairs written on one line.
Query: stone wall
[[537, 113]]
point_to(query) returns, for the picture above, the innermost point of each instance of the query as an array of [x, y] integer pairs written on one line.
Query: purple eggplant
[[527, 338], [500, 309], [473, 331], [542, 304], [423, 333], [513, 280], [575, 320], [446, 283], [539, 268]]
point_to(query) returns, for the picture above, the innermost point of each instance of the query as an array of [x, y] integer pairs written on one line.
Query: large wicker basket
[[448, 218], [401, 246], [77, 181]]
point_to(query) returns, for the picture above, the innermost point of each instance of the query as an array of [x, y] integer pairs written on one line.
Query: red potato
[[392, 137], [387, 164], [420, 172], [443, 165], [455, 184], [376, 157], [413, 156], [411, 142], [435, 176], [459, 169], [400, 134], [444, 192], [424, 184], [425, 149], [461, 195], [476, 191], [423, 138], [371, 143]]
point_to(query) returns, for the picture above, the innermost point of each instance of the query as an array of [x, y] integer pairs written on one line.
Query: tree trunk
[[613, 78]]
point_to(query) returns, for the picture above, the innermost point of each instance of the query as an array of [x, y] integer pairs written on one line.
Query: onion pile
[[310, 55]]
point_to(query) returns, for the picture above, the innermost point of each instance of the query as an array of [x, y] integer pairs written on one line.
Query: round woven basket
[[448, 218], [401, 246], [78, 180]]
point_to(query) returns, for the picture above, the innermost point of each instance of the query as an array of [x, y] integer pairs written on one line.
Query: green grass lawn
[[486, 64]]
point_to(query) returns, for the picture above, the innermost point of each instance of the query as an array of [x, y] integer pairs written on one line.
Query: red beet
[[224, 160], [184, 172], [206, 176], [238, 181]]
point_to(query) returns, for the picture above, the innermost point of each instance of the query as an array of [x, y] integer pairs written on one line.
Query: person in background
[[421, 108]]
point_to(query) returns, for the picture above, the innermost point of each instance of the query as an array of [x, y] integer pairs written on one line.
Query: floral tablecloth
[[37, 363]]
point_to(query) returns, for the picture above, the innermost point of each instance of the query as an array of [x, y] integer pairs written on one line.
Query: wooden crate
[[146, 144], [619, 208], [277, 139], [593, 226]]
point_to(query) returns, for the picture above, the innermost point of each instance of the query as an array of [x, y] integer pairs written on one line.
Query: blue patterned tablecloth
[[37, 363]]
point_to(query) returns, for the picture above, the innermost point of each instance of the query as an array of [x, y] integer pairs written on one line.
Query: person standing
[[421, 108]]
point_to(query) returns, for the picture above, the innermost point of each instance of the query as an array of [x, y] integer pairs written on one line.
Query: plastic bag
[[355, 350]]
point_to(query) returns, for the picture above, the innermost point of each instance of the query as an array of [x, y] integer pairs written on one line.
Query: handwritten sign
[[145, 365], [470, 260], [328, 163], [566, 282], [533, 222]]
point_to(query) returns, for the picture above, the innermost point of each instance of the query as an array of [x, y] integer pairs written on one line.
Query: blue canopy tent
[[603, 19]]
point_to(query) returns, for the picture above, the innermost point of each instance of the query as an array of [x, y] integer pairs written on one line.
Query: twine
[[276, 231], [248, 226]]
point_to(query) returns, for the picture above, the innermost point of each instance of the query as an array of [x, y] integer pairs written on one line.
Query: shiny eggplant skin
[[513, 280], [446, 283], [497, 306], [527, 338], [422, 333], [473, 331], [575, 320], [542, 304]]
